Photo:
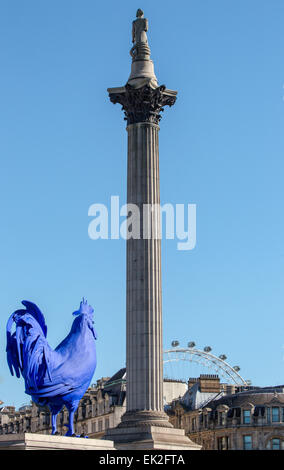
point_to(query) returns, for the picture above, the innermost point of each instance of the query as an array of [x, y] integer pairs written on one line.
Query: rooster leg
[[71, 408], [54, 412], [53, 423]]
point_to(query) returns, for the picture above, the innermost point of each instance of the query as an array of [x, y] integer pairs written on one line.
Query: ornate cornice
[[143, 104]]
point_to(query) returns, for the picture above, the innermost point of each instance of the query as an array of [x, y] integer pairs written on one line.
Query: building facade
[[247, 419], [214, 415]]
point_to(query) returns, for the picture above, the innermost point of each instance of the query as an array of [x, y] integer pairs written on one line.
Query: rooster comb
[[84, 308]]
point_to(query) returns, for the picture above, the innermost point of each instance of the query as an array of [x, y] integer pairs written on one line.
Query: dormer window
[[222, 418], [205, 420], [246, 417], [275, 413]]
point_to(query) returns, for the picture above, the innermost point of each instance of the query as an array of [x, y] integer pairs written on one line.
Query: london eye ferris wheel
[[180, 363]]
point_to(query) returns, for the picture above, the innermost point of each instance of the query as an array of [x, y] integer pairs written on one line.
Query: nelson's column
[[145, 425]]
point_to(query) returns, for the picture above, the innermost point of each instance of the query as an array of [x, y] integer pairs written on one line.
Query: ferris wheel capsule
[[184, 358]]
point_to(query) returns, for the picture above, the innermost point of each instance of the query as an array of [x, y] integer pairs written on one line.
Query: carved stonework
[[143, 104], [145, 418]]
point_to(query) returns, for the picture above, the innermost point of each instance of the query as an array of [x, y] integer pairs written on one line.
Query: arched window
[[276, 443]]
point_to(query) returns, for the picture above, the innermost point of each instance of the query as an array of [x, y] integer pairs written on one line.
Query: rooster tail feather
[[33, 310], [35, 366], [12, 349], [27, 348], [18, 341]]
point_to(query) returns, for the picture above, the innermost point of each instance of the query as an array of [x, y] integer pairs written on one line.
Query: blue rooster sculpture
[[53, 377]]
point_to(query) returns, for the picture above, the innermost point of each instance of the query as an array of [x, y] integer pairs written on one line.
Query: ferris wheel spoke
[[178, 358]]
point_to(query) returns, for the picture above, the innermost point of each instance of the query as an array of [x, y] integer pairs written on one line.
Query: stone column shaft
[[144, 361]]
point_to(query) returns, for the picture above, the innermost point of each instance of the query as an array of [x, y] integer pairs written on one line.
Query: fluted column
[[144, 300]]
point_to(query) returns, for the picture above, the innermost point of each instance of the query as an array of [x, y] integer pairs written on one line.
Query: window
[[223, 443], [230, 413], [247, 442], [222, 418], [94, 426], [246, 416], [206, 420], [275, 414], [46, 419], [275, 444]]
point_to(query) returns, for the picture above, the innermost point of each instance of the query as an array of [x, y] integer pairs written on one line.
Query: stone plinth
[[29, 441], [151, 437]]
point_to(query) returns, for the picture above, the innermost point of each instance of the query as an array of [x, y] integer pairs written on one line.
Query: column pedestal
[[147, 437]]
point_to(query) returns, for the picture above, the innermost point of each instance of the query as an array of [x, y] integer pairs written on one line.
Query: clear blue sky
[[63, 148]]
